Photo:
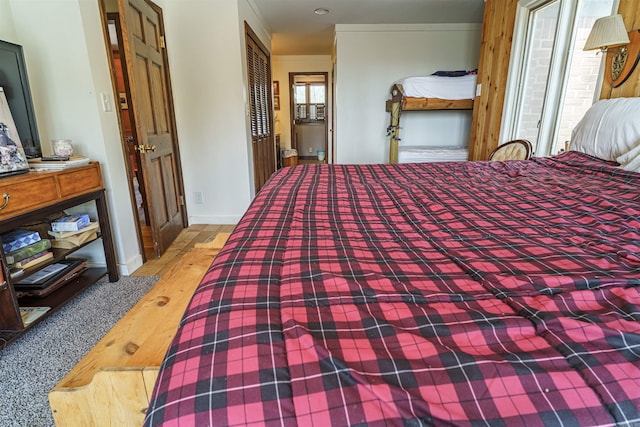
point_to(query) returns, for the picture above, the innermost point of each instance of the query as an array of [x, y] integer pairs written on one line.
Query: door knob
[[144, 148]]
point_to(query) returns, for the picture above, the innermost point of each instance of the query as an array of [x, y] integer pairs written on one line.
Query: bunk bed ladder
[[393, 131]]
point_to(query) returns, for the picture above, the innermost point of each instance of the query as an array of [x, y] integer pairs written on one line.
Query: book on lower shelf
[[65, 271], [70, 223], [28, 251], [41, 276], [31, 314], [19, 238], [74, 239], [75, 269], [33, 260]]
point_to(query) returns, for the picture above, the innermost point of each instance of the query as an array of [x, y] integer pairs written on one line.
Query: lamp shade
[[608, 31]]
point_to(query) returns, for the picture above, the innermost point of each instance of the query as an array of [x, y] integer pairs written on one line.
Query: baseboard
[[95, 258], [125, 269], [214, 219]]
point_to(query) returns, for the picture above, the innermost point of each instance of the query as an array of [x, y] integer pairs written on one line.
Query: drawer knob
[[5, 196]]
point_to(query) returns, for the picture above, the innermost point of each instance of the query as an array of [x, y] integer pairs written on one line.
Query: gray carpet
[[33, 364]]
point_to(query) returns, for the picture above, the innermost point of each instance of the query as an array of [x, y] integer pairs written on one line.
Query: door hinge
[[162, 45], [181, 200]]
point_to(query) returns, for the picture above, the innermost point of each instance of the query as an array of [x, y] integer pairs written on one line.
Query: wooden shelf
[[31, 197], [430, 104], [57, 298], [58, 255]]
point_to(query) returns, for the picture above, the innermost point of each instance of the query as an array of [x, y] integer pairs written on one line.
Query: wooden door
[[154, 126], [259, 80]]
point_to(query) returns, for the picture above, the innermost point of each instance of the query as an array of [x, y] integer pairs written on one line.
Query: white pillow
[[609, 129], [631, 159]]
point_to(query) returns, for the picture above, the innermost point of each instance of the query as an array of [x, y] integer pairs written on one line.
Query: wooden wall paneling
[[630, 11], [493, 68]]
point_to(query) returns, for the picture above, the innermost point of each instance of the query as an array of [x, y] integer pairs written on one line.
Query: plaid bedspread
[[471, 293]]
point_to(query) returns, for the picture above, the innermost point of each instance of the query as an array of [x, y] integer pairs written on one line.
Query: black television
[[14, 81]]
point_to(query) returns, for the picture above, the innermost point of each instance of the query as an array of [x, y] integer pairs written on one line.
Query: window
[[552, 81], [310, 101]]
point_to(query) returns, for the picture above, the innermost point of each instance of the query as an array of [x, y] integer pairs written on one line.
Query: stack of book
[[60, 163], [25, 249], [50, 278], [75, 235]]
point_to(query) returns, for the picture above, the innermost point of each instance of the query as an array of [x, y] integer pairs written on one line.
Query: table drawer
[[79, 181], [34, 190], [20, 196]]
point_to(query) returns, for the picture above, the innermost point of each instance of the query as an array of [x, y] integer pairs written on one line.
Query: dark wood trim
[[493, 70], [115, 16], [292, 113], [262, 153], [172, 117], [250, 33]]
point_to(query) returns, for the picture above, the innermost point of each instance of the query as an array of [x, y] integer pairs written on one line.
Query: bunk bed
[[427, 93]]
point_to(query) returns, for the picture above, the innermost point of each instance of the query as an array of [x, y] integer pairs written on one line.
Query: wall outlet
[[198, 198], [310, 149]]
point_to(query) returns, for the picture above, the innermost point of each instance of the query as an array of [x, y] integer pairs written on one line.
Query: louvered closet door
[[259, 79]]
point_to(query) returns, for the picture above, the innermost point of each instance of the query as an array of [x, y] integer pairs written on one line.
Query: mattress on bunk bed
[[463, 87], [418, 154]]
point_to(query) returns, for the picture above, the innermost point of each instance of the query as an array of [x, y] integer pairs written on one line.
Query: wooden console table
[[29, 198]]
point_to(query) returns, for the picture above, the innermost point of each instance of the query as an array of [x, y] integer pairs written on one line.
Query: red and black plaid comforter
[[472, 293]]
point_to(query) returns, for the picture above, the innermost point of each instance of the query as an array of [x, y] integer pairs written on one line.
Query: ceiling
[[296, 30]]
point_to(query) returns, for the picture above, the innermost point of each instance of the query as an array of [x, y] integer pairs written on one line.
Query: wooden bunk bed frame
[[399, 103]]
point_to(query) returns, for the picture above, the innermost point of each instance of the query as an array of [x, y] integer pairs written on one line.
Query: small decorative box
[[19, 238], [70, 223]]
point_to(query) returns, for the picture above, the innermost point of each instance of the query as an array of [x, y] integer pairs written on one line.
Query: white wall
[[7, 29], [370, 58], [205, 59], [282, 65], [68, 70], [206, 47]]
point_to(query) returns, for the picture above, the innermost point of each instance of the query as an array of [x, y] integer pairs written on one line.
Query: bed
[[427, 93], [452, 293]]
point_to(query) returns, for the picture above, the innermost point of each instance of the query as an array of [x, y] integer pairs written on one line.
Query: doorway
[[308, 95], [140, 76], [134, 168]]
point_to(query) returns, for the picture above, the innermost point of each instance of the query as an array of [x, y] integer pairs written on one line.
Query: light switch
[[106, 103]]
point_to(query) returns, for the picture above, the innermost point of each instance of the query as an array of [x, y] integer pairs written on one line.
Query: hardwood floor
[[310, 161], [197, 233]]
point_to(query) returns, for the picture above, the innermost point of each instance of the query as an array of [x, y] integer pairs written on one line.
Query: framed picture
[[14, 81], [276, 102], [12, 157], [276, 87]]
